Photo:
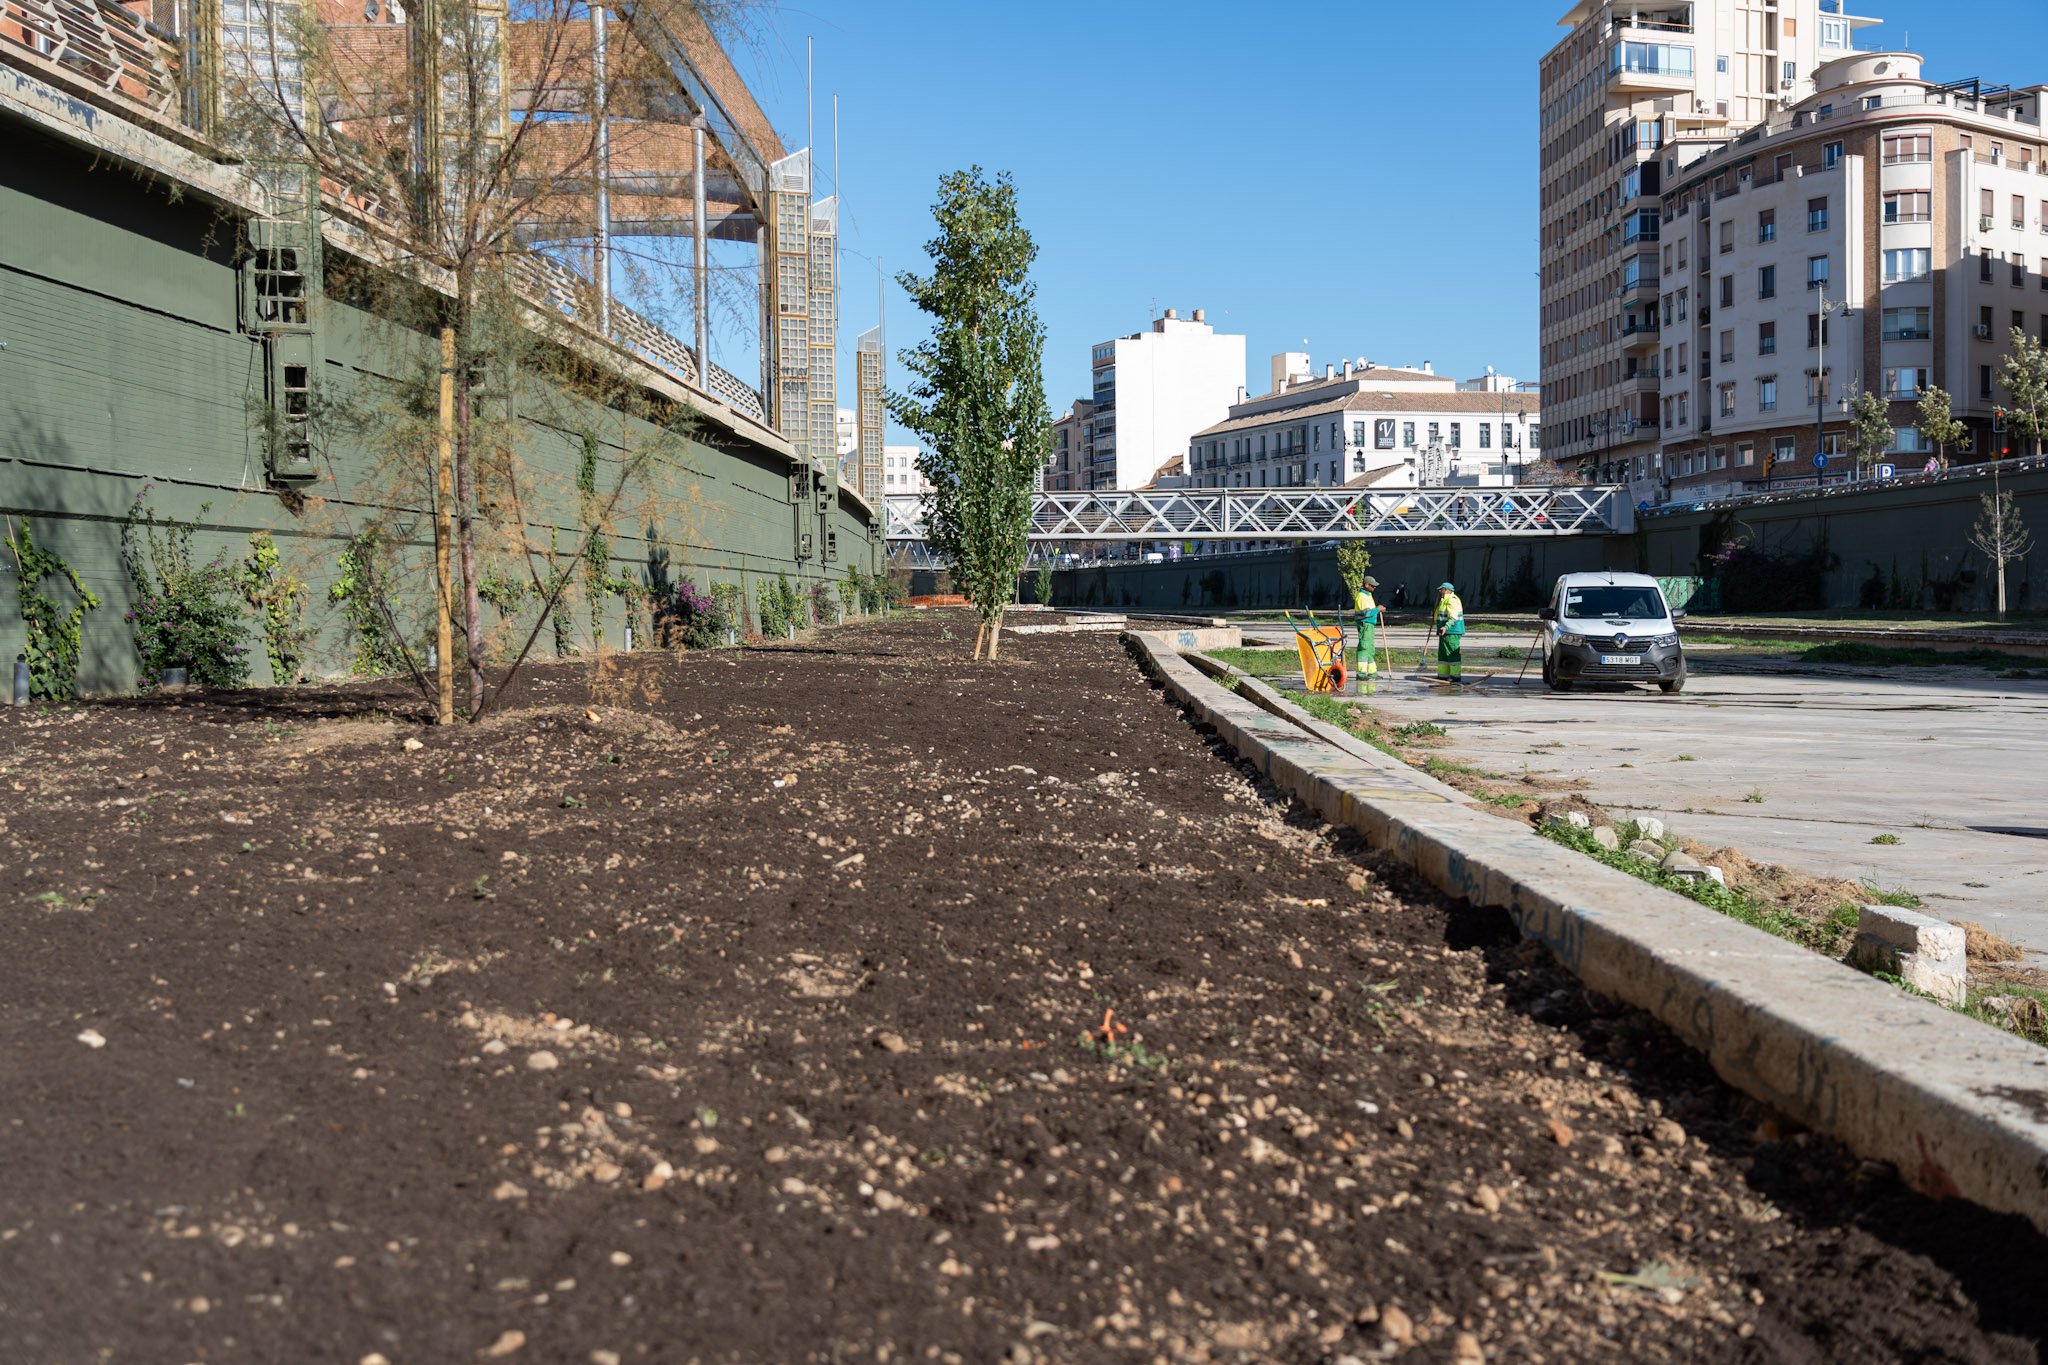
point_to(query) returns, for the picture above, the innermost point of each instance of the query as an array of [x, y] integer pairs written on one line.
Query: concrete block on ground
[[1199, 638], [1684, 865], [1650, 827], [1921, 951], [1607, 838], [1649, 852]]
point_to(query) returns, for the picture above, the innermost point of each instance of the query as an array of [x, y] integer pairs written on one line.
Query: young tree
[[2001, 536], [1870, 429], [2025, 379], [978, 396], [462, 135], [1354, 561], [1938, 424]]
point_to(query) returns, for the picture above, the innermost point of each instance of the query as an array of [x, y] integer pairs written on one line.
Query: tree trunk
[[465, 500], [444, 498], [2001, 588], [995, 634]]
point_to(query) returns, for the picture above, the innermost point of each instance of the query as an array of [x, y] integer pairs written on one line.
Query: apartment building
[[1918, 212], [1631, 85], [1070, 466], [900, 475], [1153, 390], [1365, 424]]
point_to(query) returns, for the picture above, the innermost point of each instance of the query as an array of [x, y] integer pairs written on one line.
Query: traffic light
[[1770, 461], [1998, 429]]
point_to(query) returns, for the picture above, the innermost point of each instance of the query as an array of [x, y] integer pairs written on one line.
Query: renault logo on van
[[1620, 643]]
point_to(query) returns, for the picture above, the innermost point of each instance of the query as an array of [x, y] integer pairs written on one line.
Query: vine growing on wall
[[54, 635], [356, 591], [278, 597]]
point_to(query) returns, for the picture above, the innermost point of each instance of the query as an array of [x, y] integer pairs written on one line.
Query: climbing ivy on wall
[[53, 634]]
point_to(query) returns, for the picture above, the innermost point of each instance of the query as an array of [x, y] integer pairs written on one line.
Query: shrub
[[729, 601], [278, 597], [691, 618], [184, 615], [779, 607], [357, 592]]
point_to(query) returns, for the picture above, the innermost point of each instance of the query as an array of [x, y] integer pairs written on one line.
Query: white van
[[1610, 627]]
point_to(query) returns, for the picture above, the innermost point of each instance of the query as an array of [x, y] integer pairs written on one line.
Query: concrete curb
[[1957, 1107]]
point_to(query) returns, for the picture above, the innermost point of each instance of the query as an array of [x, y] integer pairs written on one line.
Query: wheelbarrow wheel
[[1335, 676]]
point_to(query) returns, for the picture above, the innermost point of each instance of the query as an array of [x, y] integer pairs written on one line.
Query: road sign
[[1886, 471], [1820, 460]]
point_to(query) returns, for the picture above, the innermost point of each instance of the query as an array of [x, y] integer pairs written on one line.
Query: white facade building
[[1153, 390], [1370, 425], [900, 474]]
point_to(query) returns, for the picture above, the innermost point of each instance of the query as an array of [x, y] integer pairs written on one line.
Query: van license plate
[[1621, 659]]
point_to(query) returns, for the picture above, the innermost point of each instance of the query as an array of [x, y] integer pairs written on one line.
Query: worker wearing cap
[[1363, 664], [1450, 635]]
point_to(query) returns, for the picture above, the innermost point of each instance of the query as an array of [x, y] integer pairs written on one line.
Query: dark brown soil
[[822, 940]]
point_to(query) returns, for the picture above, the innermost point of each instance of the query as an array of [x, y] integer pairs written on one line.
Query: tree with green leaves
[[54, 634], [1870, 429], [1353, 562], [978, 391], [2024, 376], [1939, 425]]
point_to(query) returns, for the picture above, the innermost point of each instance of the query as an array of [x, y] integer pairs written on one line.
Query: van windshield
[[1631, 603]]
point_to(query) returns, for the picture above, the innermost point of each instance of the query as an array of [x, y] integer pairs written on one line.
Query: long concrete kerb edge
[[1959, 1108]]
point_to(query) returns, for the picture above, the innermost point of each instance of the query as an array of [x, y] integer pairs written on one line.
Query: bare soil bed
[[845, 1000]]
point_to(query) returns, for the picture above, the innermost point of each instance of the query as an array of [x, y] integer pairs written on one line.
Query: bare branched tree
[[2001, 536]]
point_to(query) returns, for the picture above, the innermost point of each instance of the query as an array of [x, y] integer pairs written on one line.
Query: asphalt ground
[[1793, 763]]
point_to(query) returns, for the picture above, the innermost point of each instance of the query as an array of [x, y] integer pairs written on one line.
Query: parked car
[[1610, 627]]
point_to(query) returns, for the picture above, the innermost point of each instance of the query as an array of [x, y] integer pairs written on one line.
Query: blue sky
[[1361, 177]]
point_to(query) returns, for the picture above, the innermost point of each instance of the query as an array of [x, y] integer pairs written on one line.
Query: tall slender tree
[[978, 391], [1870, 429]]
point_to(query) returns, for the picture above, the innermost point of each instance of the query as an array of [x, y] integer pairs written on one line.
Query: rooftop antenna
[[810, 109]]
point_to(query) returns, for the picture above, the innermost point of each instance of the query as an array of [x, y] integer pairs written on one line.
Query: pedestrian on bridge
[[1363, 664], [1450, 635]]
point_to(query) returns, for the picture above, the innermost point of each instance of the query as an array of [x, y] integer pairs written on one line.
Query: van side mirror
[[1678, 615], [1547, 614]]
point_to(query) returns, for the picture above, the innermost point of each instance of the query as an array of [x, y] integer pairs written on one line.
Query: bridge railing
[[1211, 514]]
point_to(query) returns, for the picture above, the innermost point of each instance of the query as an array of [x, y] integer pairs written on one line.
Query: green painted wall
[[123, 369]]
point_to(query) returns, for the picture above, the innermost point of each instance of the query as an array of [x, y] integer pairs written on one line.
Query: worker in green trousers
[[1450, 635], [1364, 664]]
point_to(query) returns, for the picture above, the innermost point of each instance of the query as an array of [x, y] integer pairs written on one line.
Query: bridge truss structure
[[1298, 514]]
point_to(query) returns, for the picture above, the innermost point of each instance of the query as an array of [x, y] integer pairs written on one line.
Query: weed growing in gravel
[[1686, 758], [1130, 1054], [1755, 798], [1420, 729], [1898, 896], [1884, 839]]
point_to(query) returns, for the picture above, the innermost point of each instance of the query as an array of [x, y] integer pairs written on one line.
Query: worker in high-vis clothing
[[1363, 664], [1450, 635]]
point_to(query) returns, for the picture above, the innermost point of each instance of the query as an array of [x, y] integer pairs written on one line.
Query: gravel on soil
[[847, 1000]]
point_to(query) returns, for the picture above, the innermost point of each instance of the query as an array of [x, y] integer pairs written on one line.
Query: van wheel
[[1675, 685]]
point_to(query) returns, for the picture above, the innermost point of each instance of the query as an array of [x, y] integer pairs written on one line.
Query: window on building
[[1767, 394], [1684, 417], [1358, 434], [1900, 148], [1984, 324], [1727, 347], [1745, 454], [1984, 265], [1767, 338], [1683, 348], [1911, 263], [1816, 389], [1408, 434], [1816, 334], [1767, 282], [1766, 226], [1457, 435], [1485, 436], [1319, 438], [1727, 400], [2019, 321], [2019, 271], [1684, 299], [1816, 272], [1905, 383], [1908, 206], [1816, 215], [1986, 201], [1908, 324], [2019, 210], [1727, 237], [1435, 435], [1831, 155], [1727, 291], [1983, 381]]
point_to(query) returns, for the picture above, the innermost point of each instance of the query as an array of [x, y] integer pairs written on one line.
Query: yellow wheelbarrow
[[1322, 653]]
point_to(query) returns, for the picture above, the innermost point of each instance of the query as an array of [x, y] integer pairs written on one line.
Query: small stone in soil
[[93, 1039], [621, 1258], [1668, 1133], [891, 1042], [1486, 1198], [1559, 1133], [507, 1342], [1397, 1325], [542, 1061]]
